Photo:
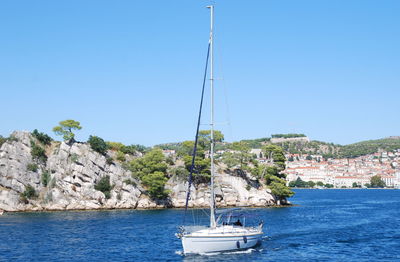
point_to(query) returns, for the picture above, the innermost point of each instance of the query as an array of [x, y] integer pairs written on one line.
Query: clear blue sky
[[131, 71]]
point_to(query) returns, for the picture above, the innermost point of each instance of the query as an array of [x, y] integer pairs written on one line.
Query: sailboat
[[224, 233]]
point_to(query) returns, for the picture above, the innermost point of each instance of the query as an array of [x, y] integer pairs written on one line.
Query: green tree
[[311, 184], [155, 183], [355, 185], [98, 144], [205, 138], [298, 183], [42, 137], [180, 172], [115, 146], [104, 186], [376, 181], [38, 153], [153, 161], [281, 191], [186, 149], [201, 169], [229, 159], [65, 129], [276, 153], [319, 183], [274, 178], [242, 152]]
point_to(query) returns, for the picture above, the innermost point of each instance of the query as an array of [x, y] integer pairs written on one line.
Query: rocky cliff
[[73, 171]]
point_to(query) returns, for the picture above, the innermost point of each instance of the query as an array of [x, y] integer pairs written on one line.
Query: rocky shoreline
[[75, 169]]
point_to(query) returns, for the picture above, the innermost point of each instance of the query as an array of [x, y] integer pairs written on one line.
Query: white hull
[[216, 240]]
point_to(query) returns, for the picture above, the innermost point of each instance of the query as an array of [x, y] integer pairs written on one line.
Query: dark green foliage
[[45, 178], [274, 178], [186, 149], [277, 154], [32, 167], [98, 144], [109, 160], [42, 137], [204, 140], [355, 185], [2, 140], [328, 185], [287, 135], [319, 183], [38, 153], [154, 161], [256, 143], [201, 169], [132, 149], [170, 160], [155, 183], [104, 186], [369, 147], [12, 139], [377, 182], [180, 172], [308, 157], [280, 190], [298, 183], [29, 193], [169, 146], [121, 156], [151, 169], [230, 159], [115, 146]]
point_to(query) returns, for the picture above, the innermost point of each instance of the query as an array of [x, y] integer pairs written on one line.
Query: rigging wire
[[197, 132]]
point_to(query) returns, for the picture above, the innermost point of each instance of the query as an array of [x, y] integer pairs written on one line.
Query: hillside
[[299, 145], [330, 150], [369, 147]]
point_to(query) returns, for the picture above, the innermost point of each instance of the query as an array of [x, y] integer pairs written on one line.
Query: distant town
[[345, 172], [321, 168], [342, 172]]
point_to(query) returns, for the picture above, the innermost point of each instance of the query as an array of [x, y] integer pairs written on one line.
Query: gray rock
[[75, 169]]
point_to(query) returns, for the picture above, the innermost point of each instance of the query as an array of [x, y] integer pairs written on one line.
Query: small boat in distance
[[230, 231]]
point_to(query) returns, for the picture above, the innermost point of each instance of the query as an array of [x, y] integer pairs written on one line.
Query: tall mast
[[212, 197]]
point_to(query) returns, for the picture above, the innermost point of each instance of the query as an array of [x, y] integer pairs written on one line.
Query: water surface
[[326, 225]]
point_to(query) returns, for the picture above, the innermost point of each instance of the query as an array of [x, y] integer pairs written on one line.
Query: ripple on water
[[328, 225]]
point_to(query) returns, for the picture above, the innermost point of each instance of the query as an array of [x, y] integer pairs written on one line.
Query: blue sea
[[324, 225]]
